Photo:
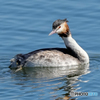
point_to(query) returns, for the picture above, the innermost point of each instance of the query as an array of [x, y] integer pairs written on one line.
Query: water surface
[[24, 27]]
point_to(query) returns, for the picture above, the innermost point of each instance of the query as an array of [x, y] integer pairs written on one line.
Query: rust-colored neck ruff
[[66, 31]]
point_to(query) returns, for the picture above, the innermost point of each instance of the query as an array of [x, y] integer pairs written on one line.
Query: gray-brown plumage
[[72, 55]]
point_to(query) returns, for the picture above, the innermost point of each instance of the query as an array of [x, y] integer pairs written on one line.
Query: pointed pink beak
[[52, 32]]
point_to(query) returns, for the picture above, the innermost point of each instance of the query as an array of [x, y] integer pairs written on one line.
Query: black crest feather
[[58, 22]]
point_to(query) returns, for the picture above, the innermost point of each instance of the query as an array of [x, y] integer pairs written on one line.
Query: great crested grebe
[[72, 55]]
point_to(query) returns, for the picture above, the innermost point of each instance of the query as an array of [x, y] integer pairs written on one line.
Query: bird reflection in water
[[67, 77]]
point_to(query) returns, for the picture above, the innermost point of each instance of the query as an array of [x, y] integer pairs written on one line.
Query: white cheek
[[59, 30]]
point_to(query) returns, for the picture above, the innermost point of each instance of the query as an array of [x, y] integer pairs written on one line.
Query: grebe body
[[73, 54]]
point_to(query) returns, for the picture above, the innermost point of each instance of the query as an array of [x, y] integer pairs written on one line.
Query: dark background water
[[24, 27]]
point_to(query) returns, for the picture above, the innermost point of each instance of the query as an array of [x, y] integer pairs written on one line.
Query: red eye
[[59, 26]]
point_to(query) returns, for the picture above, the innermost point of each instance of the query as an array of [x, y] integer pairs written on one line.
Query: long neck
[[75, 49]]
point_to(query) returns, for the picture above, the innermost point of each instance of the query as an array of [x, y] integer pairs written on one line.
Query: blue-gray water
[[24, 27]]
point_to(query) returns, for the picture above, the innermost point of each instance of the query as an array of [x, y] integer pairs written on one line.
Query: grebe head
[[61, 28]]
